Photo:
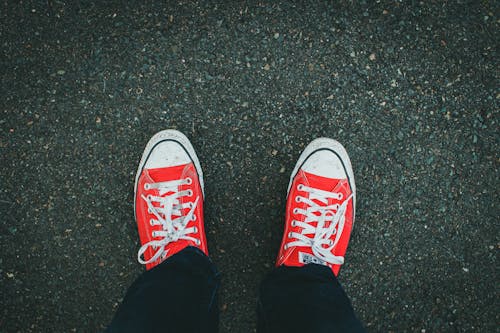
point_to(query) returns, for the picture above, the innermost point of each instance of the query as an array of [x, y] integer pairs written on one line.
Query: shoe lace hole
[[147, 186], [298, 199], [152, 222], [189, 180], [295, 210], [190, 193], [340, 196]]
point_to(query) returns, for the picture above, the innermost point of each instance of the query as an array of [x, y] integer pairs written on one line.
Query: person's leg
[[302, 294], [178, 295], [305, 299], [178, 291]]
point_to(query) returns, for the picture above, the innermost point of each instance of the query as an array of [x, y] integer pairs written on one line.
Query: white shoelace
[[333, 215], [168, 214]]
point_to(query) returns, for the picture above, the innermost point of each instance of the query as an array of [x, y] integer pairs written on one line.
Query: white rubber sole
[[326, 143], [174, 135]]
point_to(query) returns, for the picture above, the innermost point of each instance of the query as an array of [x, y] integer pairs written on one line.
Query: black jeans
[[180, 295]]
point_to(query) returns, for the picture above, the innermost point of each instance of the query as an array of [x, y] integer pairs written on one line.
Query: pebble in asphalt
[[410, 88]]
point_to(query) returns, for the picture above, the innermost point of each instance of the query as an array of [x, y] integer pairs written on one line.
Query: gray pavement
[[410, 88]]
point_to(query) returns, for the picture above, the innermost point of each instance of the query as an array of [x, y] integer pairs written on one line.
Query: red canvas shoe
[[169, 198], [320, 207]]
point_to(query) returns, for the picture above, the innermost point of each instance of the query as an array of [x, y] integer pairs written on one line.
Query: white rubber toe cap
[[327, 158], [325, 163], [167, 154]]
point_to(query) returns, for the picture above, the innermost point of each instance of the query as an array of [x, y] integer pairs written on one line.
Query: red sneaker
[[169, 198], [320, 207]]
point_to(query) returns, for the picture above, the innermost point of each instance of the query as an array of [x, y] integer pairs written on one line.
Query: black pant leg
[[304, 299], [179, 295]]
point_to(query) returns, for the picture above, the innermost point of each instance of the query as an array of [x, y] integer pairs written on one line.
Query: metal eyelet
[[153, 234], [300, 187], [295, 211], [193, 218], [147, 186], [190, 193], [298, 199], [150, 211], [198, 242], [293, 223], [152, 222], [340, 196], [189, 181], [290, 235], [195, 230], [149, 197]]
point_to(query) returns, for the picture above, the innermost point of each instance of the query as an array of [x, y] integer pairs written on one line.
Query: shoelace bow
[[168, 214], [330, 221]]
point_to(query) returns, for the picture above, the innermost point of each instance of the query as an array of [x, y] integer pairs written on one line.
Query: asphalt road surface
[[410, 88]]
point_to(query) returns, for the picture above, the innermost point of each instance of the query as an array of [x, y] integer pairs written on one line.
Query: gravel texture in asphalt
[[410, 88]]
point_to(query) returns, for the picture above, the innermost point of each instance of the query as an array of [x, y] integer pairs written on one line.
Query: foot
[[169, 198], [320, 207]]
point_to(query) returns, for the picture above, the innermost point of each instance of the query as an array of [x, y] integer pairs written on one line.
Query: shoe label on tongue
[[307, 258]]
